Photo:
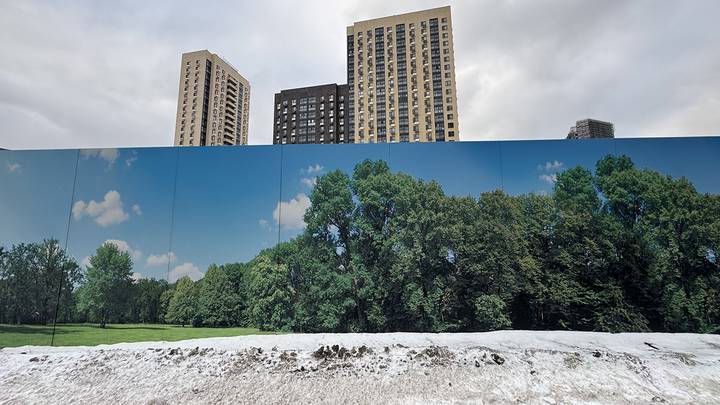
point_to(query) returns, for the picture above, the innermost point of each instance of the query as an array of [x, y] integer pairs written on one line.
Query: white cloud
[[125, 247], [136, 276], [109, 155], [553, 165], [107, 212], [136, 209], [309, 182], [548, 178], [14, 167], [264, 224], [129, 161], [160, 260], [316, 168], [185, 269], [85, 262], [289, 214]]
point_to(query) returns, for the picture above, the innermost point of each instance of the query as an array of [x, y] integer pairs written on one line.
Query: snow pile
[[506, 366]]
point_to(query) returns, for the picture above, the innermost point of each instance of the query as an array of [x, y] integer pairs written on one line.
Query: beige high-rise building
[[213, 102], [401, 78]]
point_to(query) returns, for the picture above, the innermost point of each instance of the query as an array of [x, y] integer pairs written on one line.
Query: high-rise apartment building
[[401, 79], [590, 128], [213, 102], [311, 115]]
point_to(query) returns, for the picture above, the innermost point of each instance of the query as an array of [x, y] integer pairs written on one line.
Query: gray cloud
[[96, 74]]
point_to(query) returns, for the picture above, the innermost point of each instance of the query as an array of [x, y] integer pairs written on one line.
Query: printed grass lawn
[[91, 335]]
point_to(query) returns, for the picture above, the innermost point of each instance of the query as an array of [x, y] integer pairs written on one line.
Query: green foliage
[[218, 303], [106, 292], [32, 278], [491, 313], [182, 308], [270, 294], [146, 305]]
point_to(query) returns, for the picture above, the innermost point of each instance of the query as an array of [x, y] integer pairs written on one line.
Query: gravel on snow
[[504, 366]]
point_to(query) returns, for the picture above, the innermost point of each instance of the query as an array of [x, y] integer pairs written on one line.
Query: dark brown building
[[311, 115]]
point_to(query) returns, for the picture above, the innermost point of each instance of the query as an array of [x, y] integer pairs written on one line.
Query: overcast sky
[[105, 74]]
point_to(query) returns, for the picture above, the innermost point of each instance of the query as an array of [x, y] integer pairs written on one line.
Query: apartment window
[[444, 27], [443, 20]]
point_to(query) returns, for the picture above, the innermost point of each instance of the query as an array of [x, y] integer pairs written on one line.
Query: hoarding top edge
[[375, 144]]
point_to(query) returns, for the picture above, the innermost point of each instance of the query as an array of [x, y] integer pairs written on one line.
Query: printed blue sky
[[228, 202], [124, 195], [105, 74], [35, 195]]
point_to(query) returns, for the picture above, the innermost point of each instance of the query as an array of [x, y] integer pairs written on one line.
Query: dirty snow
[[505, 366]]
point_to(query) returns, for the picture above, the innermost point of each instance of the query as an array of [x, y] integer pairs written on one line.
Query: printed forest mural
[[596, 236]]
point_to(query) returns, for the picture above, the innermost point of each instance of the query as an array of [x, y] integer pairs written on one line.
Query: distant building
[[213, 102], [401, 79], [590, 128], [311, 115]]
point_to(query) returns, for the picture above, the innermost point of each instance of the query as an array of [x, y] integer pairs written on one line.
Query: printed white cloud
[[551, 166], [136, 209], [14, 167], [309, 182], [129, 161], [548, 178], [109, 211], [160, 260], [264, 224], [125, 247], [316, 168], [185, 269], [109, 155], [289, 214]]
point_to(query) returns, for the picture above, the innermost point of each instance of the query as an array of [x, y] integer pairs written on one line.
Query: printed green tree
[[106, 292]]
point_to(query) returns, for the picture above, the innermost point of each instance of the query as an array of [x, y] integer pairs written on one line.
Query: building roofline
[[310, 87], [401, 15]]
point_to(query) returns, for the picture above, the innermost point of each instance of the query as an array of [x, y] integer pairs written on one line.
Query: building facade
[[213, 102], [401, 79], [590, 128], [311, 115]]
